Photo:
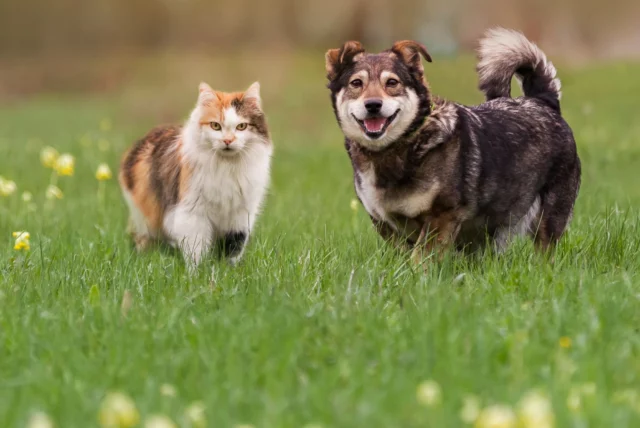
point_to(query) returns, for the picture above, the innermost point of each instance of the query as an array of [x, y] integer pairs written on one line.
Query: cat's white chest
[[230, 194]]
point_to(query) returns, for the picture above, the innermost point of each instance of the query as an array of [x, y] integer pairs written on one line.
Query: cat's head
[[229, 123]]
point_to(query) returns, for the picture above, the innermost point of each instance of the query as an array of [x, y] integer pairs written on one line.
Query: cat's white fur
[[226, 190]]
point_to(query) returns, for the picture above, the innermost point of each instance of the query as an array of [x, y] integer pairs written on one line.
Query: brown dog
[[437, 172]]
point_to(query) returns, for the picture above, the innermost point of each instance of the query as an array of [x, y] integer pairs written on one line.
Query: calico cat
[[202, 183]]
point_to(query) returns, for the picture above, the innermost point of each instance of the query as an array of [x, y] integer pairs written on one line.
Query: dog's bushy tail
[[504, 53]]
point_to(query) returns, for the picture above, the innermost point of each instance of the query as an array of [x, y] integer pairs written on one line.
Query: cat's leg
[[137, 226], [233, 244], [192, 233]]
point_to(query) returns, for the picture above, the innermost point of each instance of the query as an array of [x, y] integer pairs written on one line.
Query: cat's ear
[[254, 93], [206, 94]]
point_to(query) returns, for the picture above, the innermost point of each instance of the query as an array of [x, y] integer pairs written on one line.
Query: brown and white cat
[[203, 183]]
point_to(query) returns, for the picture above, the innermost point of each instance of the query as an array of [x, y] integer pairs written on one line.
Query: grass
[[321, 323]]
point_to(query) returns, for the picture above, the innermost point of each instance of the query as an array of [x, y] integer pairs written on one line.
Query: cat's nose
[[228, 141]]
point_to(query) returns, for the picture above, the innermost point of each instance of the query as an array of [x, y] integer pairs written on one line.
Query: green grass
[[321, 323]]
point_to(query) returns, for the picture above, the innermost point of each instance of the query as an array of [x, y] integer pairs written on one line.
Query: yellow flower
[[105, 124], [470, 409], [27, 197], [429, 393], [54, 192], [535, 411], [195, 415], [40, 420], [167, 390], [22, 241], [118, 411], [158, 421], [496, 416], [7, 187], [354, 204], [65, 164], [565, 342], [49, 157], [103, 172]]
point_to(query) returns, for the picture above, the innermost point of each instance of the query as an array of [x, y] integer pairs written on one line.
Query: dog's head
[[378, 98]]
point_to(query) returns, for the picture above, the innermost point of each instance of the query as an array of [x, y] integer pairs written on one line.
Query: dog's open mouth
[[375, 127]]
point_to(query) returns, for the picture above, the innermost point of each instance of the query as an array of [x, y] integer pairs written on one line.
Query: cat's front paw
[[233, 261], [234, 244]]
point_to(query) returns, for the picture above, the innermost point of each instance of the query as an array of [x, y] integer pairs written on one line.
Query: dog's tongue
[[374, 125]]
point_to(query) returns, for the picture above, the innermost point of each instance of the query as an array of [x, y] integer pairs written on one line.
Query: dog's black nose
[[373, 105]]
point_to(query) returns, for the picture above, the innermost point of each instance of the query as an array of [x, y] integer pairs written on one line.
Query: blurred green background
[[103, 46], [322, 323]]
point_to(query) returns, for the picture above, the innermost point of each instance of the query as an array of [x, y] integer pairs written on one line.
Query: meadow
[[322, 324]]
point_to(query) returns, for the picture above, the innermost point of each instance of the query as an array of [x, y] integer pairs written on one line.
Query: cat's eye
[[356, 83], [216, 126], [392, 83], [242, 126]]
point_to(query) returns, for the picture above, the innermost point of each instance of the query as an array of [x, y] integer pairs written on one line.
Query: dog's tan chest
[[389, 204]]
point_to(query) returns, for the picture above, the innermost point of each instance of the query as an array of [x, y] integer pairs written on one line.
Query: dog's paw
[[417, 256]]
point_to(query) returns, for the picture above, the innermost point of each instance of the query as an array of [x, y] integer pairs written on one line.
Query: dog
[[434, 174]]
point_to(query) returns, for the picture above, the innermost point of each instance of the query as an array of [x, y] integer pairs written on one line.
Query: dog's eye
[[242, 126], [392, 83], [215, 126], [357, 83]]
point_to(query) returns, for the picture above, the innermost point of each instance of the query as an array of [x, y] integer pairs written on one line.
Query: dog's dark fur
[[503, 168]]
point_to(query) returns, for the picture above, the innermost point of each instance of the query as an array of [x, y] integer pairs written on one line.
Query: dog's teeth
[[374, 125]]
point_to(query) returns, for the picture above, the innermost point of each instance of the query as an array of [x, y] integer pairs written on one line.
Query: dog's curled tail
[[504, 53]]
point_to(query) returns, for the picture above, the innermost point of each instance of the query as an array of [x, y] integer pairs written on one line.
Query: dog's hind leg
[[557, 201]]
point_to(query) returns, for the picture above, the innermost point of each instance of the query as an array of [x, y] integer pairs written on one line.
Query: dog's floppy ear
[[410, 51], [335, 59]]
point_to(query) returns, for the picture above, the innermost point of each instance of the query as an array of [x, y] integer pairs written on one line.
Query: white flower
[[535, 411], [53, 192], [7, 187], [429, 393], [195, 415], [103, 172], [118, 411], [158, 421], [496, 416], [40, 420], [65, 164], [167, 390], [470, 409], [27, 197], [48, 157]]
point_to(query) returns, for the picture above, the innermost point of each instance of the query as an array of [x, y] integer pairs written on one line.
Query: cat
[[204, 183]]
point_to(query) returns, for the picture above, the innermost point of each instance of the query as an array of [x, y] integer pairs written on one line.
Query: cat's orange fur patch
[[213, 108], [143, 195]]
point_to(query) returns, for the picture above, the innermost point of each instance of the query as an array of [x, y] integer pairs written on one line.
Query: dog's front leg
[[437, 234], [390, 235]]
